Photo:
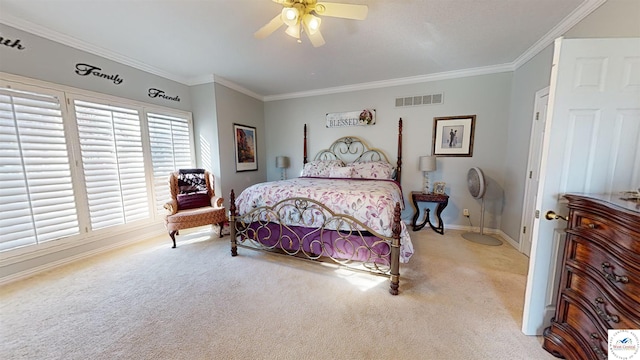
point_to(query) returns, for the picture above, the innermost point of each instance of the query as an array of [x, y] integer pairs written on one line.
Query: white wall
[[486, 96], [614, 18], [529, 78], [203, 99], [234, 107]]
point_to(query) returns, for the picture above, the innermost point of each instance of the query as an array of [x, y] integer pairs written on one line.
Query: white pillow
[[341, 172], [320, 168], [372, 170]]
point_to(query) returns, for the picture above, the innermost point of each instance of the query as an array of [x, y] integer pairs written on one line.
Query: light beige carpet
[[458, 300]]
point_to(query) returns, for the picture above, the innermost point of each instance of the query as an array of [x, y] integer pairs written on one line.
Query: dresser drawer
[[606, 269], [605, 307], [592, 336], [605, 230]]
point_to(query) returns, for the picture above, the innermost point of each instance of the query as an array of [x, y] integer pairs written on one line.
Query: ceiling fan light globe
[[293, 31], [311, 23], [290, 16]]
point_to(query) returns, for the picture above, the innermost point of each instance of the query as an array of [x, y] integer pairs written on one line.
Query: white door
[[533, 169], [593, 131]]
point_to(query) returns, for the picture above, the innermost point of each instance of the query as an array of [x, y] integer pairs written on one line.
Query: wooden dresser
[[600, 281]]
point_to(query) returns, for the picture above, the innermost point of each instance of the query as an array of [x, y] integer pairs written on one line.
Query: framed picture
[[453, 135], [246, 149], [438, 187]]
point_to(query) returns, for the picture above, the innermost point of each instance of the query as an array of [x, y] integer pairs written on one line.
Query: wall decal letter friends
[[154, 93]]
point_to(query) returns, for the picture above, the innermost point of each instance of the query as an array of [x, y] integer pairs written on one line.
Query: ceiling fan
[[302, 15]]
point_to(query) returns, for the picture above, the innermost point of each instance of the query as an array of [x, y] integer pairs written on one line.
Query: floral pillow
[[372, 170], [320, 168], [341, 172]]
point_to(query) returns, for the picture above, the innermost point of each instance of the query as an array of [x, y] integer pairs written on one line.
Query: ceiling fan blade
[[347, 11], [271, 26], [316, 38]]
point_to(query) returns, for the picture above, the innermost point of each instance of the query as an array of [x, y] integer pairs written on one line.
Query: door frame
[[535, 148]]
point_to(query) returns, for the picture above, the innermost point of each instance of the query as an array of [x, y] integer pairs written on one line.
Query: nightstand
[[441, 199]]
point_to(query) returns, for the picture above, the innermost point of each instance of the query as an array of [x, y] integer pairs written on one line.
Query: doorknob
[[550, 215]]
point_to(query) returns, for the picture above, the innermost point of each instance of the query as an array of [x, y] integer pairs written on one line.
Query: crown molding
[[84, 46], [230, 84], [447, 75], [582, 11]]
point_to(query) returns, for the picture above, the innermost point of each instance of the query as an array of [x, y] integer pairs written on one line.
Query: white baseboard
[[498, 232]]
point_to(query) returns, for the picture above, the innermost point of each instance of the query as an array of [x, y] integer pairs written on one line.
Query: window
[[112, 162], [170, 141], [102, 164], [37, 201]]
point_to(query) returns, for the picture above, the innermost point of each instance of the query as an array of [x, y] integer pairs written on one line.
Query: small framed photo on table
[[438, 187]]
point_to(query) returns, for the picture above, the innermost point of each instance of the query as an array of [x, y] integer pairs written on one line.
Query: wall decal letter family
[[86, 69], [154, 93], [15, 44]]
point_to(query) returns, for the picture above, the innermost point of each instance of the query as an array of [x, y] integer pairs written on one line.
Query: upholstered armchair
[[193, 202]]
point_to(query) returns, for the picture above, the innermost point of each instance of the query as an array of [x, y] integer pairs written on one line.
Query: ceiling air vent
[[433, 99]]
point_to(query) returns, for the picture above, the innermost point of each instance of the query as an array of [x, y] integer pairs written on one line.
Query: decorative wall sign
[[351, 118], [453, 136], [86, 69], [246, 149], [157, 93], [14, 44]]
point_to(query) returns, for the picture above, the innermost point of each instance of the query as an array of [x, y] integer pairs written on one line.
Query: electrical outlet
[[465, 212]]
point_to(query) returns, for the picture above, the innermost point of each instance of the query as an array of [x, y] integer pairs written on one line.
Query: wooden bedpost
[[399, 166], [395, 251], [304, 160], [232, 223]]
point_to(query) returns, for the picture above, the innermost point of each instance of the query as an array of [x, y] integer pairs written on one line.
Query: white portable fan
[[477, 188]]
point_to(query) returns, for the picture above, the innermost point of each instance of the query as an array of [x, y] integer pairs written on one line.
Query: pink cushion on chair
[[192, 201]]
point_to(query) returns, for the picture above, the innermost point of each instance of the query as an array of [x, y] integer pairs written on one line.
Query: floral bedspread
[[370, 201]]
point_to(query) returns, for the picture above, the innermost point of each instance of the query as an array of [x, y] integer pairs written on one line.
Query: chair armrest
[[217, 202], [172, 206]]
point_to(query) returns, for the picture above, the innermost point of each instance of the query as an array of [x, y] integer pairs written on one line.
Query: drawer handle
[[595, 346], [602, 312], [592, 226], [611, 276]]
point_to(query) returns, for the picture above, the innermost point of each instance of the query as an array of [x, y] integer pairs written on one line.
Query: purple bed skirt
[[342, 246]]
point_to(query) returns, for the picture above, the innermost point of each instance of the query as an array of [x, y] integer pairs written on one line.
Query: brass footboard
[[341, 239]]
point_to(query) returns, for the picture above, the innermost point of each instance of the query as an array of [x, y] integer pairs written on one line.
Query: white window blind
[[170, 141], [113, 163], [37, 198]]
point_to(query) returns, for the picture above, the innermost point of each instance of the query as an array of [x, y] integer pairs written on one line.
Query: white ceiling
[[401, 41]]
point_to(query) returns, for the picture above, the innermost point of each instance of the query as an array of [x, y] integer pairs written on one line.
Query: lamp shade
[[282, 162], [427, 163]]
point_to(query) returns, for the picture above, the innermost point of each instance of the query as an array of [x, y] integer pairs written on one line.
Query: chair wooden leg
[[221, 227], [173, 237]]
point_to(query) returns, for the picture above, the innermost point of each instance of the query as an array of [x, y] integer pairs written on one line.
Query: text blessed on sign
[[351, 118]]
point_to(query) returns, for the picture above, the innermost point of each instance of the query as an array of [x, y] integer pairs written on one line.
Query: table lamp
[[282, 162], [427, 163]]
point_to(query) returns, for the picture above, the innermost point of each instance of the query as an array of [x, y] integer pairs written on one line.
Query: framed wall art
[[453, 135], [245, 147]]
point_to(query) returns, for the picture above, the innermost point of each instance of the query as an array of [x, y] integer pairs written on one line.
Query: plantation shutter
[[113, 163], [170, 141], [37, 198]]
